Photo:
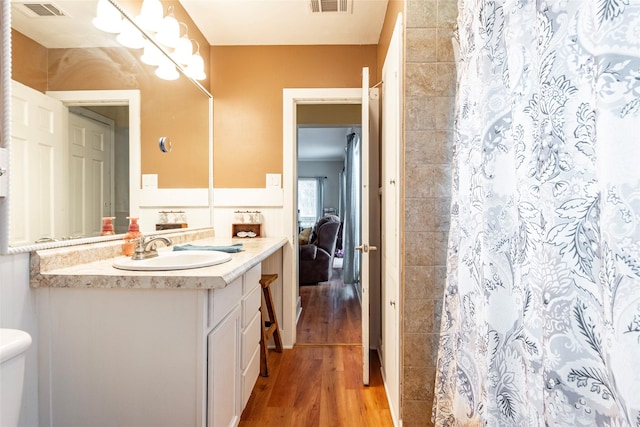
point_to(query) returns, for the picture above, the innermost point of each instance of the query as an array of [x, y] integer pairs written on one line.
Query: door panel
[[90, 152], [391, 138], [38, 184], [364, 233]]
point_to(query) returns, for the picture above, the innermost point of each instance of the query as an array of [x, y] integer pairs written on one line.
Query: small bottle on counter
[[107, 226], [130, 237]]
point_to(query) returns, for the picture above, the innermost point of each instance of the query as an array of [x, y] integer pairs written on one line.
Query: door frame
[[291, 307], [130, 98]]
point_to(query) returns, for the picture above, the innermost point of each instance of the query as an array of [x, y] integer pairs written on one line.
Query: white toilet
[[13, 345]]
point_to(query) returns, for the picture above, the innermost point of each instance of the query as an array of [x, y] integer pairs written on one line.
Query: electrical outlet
[[150, 180]]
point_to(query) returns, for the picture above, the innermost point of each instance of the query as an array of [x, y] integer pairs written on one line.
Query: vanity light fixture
[[154, 33]]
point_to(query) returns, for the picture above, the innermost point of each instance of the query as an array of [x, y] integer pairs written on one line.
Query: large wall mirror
[[87, 115]]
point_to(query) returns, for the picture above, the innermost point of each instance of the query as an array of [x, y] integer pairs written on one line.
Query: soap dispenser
[[107, 226], [130, 237]]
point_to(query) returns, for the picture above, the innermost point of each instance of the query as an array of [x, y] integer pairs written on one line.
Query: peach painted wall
[[247, 83], [28, 62], [329, 114], [393, 8]]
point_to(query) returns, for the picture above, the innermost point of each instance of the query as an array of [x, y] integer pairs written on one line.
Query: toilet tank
[[13, 345]]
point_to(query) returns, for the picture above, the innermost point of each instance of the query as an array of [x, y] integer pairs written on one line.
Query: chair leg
[[269, 327], [264, 350]]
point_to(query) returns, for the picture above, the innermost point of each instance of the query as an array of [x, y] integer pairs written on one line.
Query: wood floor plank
[[333, 359], [353, 359], [318, 383], [333, 399], [330, 313], [284, 393]]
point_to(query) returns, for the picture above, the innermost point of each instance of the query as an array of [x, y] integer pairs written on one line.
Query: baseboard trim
[[394, 416]]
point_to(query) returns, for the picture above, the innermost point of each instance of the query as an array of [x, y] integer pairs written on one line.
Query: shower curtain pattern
[[541, 313]]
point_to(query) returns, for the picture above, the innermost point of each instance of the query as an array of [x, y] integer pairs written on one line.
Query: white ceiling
[[74, 29], [285, 22], [229, 23], [222, 22], [322, 143]]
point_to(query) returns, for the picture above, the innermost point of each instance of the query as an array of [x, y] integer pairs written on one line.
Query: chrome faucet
[[146, 246]]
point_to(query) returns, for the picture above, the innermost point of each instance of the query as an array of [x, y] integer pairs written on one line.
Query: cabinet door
[[224, 372]]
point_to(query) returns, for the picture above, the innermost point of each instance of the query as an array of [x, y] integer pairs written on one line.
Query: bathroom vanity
[[149, 348]]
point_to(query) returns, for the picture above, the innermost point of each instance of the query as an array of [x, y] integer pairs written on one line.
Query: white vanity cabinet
[[233, 347], [148, 357]]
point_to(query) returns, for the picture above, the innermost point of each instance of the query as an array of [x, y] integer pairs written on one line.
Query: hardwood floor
[[330, 313], [318, 383]]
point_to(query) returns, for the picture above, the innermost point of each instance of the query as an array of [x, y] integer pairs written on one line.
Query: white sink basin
[[179, 260]]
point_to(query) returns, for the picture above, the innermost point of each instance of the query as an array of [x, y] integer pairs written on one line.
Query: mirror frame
[[134, 180]]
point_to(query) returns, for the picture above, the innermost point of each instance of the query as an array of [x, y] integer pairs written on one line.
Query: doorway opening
[[292, 98], [326, 142]]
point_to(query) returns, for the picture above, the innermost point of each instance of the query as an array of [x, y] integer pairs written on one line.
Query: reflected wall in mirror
[[70, 165]]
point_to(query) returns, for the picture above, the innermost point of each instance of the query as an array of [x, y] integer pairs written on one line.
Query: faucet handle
[[146, 246], [138, 251]]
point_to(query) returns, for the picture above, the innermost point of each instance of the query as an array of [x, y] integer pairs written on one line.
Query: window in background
[[310, 201]]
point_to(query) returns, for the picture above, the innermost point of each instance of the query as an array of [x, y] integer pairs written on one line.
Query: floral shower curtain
[[541, 312]]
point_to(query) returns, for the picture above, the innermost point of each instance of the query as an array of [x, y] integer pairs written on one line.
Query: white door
[[38, 184], [391, 138], [364, 246], [90, 170]]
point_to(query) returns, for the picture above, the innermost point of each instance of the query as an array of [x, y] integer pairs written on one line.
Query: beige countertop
[[58, 270]]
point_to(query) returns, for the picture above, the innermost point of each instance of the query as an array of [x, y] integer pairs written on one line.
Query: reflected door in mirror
[[38, 190], [91, 182]]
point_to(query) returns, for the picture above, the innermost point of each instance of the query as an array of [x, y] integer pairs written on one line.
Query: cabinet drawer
[[250, 376], [252, 278], [251, 305], [222, 301], [250, 339]]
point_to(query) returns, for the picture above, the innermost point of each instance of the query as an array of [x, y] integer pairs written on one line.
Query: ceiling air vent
[[319, 6], [42, 9]]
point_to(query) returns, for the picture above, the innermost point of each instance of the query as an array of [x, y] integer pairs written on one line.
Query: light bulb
[[195, 67], [107, 18], [169, 32], [130, 37], [167, 70], [150, 17], [183, 50], [151, 55]]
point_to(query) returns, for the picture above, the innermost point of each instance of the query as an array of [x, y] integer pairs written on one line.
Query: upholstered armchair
[[316, 258]]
